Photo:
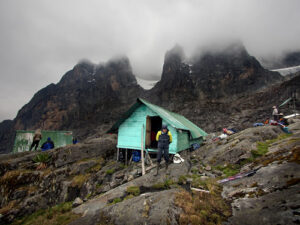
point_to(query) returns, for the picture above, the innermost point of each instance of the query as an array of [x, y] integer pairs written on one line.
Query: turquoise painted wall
[[183, 140], [129, 133]]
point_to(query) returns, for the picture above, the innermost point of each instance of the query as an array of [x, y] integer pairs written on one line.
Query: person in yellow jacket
[[164, 138]]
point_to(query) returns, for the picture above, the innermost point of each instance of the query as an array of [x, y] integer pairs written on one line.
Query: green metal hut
[[24, 139], [144, 117]]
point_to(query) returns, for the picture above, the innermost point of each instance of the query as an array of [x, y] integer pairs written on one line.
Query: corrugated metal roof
[[175, 120]]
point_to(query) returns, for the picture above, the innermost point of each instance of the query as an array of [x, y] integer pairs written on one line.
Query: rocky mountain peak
[[174, 55], [175, 71], [120, 63]]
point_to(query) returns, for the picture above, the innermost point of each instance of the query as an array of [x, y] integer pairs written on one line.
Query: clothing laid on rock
[[258, 124], [177, 158]]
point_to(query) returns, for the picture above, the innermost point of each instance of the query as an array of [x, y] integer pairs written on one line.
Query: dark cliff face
[[206, 88], [6, 136], [87, 95], [212, 75], [230, 72]]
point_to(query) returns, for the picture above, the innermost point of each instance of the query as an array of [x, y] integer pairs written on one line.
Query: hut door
[[148, 132]]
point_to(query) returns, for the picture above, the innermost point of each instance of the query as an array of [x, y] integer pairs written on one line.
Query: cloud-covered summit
[[41, 40]]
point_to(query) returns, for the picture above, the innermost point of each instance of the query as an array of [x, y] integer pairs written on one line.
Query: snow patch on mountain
[[287, 70]]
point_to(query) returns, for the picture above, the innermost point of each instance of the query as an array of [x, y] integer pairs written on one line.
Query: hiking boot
[[157, 169]]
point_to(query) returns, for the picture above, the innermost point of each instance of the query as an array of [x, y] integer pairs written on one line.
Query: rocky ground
[[83, 184]]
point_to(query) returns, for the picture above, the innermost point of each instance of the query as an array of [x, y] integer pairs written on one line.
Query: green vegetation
[[122, 166], [194, 161], [194, 170], [58, 215], [10, 177], [42, 158], [262, 147], [79, 180], [133, 190], [163, 185], [182, 179], [94, 168], [203, 208], [229, 170], [89, 195], [129, 197], [110, 171], [116, 200]]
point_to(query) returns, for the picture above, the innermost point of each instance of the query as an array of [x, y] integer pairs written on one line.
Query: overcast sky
[[42, 39]]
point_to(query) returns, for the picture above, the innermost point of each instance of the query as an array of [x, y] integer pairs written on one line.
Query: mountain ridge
[[90, 97]]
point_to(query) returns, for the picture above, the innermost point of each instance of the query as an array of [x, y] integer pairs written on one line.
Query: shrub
[[228, 170], [110, 171], [59, 214], [182, 179], [42, 158], [116, 200], [79, 180], [134, 190], [203, 208], [164, 185]]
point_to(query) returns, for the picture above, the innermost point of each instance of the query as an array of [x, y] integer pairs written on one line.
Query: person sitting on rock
[[164, 138], [48, 145], [74, 140], [36, 139]]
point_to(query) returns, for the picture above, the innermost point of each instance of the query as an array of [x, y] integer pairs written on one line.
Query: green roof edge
[[175, 120]]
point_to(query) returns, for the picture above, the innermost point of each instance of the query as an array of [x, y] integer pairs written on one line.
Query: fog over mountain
[[41, 40]]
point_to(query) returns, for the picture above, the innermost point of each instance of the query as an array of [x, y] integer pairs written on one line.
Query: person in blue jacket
[[47, 145]]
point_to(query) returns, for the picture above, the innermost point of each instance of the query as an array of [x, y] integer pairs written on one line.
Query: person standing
[[164, 138], [275, 113], [36, 139]]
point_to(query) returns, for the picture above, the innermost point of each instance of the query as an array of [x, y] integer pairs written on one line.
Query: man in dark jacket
[[164, 138]]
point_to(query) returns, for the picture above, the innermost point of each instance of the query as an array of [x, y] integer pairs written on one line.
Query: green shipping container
[[24, 139]]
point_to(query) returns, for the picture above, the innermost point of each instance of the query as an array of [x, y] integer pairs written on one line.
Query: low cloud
[[41, 40]]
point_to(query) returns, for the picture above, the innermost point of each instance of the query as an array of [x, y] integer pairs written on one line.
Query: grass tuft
[[203, 208], [57, 215], [133, 190], [42, 158], [229, 170], [110, 171], [79, 180]]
